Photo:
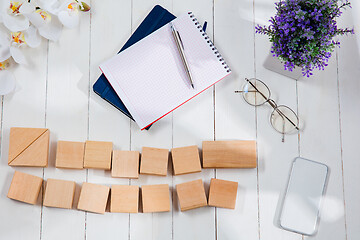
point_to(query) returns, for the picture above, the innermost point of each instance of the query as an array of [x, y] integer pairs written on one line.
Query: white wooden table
[[55, 91]]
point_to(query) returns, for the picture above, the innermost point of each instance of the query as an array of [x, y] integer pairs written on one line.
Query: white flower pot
[[274, 64]]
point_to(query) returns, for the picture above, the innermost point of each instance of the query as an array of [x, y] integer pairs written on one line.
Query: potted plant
[[302, 33]]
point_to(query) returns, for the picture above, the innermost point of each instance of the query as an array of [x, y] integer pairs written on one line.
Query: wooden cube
[[154, 161], [186, 160], [70, 155], [59, 193], [229, 154], [124, 198], [98, 155], [93, 198], [155, 198], [25, 187], [191, 195], [29, 147], [125, 164], [222, 193]]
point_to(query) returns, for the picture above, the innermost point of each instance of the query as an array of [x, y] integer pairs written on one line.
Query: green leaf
[[84, 7]]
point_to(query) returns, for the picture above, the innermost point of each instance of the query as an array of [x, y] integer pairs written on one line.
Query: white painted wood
[[67, 118], [55, 91], [110, 28], [192, 124], [349, 87], [318, 104], [151, 225], [234, 119], [23, 108], [274, 156]]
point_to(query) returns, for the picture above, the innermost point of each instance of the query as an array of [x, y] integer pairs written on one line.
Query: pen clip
[[177, 32]]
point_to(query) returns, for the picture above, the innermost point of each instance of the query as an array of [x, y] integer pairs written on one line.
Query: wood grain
[[155, 198], [33, 155], [22, 138], [59, 193], [70, 155], [25, 187], [125, 164], [55, 92], [124, 199], [229, 154], [93, 198], [98, 155], [222, 193], [191, 195], [154, 161], [186, 160]]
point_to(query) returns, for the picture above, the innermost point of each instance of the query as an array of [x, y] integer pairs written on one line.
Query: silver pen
[[180, 48]]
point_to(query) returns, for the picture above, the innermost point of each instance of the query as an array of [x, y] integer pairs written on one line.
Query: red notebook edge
[[186, 101], [181, 103]]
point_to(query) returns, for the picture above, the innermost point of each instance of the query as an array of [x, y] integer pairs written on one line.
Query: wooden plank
[[193, 123], [28, 100], [110, 28], [154, 225], [229, 154], [234, 119], [67, 119], [349, 86], [321, 143], [274, 156]]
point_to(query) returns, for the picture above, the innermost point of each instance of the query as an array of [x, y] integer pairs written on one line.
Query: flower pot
[[274, 64]]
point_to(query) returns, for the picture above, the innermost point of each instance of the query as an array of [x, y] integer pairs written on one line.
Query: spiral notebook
[[149, 76]]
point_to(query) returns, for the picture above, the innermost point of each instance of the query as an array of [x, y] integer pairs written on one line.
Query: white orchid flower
[[11, 47], [69, 16], [13, 14], [48, 24], [52, 14], [7, 79]]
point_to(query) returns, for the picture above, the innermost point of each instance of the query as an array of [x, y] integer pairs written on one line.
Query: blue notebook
[[157, 18]]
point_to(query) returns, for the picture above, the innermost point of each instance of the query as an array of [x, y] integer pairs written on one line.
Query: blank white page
[[149, 76]]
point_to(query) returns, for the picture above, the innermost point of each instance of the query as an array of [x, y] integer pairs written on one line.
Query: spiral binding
[[211, 45]]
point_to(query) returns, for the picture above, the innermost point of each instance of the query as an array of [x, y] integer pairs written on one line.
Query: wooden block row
[[79, 155], [93, 197], [30, 147], [154, 161], [222, 194], [124, 198]]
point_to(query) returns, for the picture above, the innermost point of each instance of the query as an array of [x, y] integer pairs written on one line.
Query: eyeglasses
[[283, 119]]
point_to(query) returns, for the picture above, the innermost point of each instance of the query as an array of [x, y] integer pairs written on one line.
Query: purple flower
[[302, 32]]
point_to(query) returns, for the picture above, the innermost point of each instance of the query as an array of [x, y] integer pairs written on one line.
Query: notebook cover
[[157, 18]]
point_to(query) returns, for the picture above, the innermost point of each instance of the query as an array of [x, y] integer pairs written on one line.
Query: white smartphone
[[303, 197]]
